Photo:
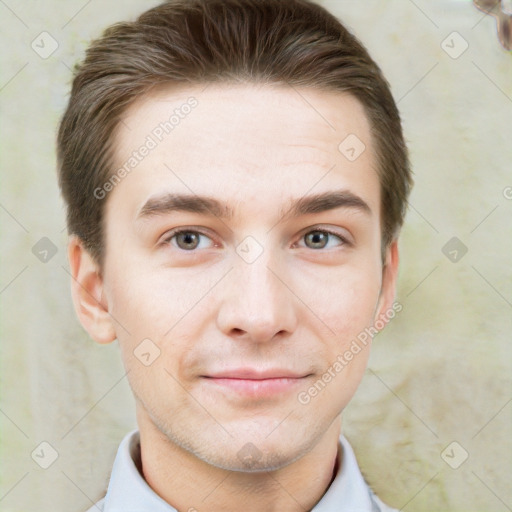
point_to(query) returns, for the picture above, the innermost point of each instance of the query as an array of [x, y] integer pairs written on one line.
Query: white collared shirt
[[129, 492]]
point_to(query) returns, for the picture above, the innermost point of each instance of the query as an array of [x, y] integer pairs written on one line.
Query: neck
[[190, 484]]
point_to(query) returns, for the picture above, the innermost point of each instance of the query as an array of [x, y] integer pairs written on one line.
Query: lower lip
[[257, 388]]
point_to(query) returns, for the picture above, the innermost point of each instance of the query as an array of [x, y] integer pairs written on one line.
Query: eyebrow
[[317, 203]]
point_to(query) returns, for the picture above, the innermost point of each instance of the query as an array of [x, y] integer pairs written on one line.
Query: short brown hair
[[293, 42]]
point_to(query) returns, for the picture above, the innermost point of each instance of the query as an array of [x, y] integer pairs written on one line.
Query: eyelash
[[178, 231], [342, 239]]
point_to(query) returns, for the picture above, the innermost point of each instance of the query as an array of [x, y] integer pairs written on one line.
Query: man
[[236, 178]]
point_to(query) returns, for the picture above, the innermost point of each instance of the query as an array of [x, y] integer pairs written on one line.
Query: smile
[[256, 388]]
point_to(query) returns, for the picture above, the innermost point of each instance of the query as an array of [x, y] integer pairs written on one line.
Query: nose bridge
[[261, 285], [258, 305]]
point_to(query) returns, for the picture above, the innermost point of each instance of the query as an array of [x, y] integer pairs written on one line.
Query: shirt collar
[[129, 492]]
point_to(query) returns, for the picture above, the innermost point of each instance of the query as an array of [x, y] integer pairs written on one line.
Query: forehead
[[246, 142]]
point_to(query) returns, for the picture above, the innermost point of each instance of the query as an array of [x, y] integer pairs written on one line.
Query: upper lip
[[256, 374]]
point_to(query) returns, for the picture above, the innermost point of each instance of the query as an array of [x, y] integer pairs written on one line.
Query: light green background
[[439, 373]]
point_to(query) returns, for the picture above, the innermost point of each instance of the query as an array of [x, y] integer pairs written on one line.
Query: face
[[242, 260]]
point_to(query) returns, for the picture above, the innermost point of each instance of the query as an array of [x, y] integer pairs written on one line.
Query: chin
[[251, 459]]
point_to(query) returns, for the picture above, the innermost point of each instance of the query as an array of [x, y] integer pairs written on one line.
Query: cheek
[[352, 311], [146, 299], [344, 299], [167, 308]]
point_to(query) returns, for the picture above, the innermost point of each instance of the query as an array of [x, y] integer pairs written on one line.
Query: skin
[[296, 307]]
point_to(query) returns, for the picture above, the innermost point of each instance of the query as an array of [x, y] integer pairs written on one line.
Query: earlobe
[[388, 287], [88, 295]]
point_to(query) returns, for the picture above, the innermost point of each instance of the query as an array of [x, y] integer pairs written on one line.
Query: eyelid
[[345, 237], [169, 235]]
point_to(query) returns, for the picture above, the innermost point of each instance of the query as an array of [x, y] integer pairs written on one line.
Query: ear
[[388, 286], [88, 293]]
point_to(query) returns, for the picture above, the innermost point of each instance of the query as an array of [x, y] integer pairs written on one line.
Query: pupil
[[189, 239], [318, 238]]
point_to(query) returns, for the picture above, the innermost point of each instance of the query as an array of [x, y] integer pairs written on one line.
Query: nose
[[257, 304]]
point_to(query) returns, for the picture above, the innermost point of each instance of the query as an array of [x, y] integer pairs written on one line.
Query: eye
[[188, 239], [322, 239]]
